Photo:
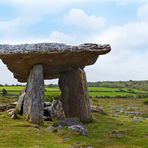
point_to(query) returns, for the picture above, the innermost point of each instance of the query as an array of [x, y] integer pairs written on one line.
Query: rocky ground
[[116, 123]]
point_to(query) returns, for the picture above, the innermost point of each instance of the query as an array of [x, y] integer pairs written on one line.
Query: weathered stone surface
[[20, 103], [57, 111], [53, 111], [74, 94], [67, 122], [33, 101], [11, 106], [55, 58], [80, 129]]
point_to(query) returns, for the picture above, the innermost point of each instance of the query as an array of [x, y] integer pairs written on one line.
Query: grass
[[94, 92], [21, 134]]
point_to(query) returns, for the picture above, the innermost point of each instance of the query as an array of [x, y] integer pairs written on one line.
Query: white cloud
[[80, 19], [129, 56], [143, 12], [56, 36]]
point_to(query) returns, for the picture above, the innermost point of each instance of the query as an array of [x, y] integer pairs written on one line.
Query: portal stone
[[34, 99], [74, 94]]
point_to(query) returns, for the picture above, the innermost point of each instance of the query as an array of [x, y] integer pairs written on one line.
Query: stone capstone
[[56, 58]]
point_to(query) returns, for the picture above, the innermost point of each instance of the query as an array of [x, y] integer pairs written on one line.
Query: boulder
[[74, 94], [55, 57], [33, 107]]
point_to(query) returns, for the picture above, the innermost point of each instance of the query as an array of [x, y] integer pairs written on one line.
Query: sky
[[121, 23]]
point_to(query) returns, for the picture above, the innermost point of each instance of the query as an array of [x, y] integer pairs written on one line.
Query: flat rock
[[55, 57]]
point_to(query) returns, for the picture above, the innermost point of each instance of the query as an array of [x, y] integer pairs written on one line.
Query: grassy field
[[21, 134], [94, 92]]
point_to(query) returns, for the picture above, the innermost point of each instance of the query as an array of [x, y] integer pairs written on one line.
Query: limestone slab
[[56, 58]]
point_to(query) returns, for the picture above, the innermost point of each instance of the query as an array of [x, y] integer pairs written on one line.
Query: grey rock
[[98, 109], [74, 94], [133, 113], [120, 109], [11, 106], [80, 129], [137, 119], [55, 58], [117, 134], [33, 107], [47, 118], [14, 115], [10, 110], [46, 104], [67, 122], [20, 103], [57, 111]]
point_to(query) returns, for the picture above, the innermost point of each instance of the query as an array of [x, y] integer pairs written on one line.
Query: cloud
[[56, 36], [143, 12], [128, 58], [81, 20]]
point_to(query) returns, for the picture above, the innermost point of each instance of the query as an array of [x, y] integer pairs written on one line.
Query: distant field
[[94, 92]]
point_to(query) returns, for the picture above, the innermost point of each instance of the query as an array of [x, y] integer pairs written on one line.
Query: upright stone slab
[[74, 94], [34, 98]]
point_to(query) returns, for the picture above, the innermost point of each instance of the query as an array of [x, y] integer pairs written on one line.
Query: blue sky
[[120, 23]]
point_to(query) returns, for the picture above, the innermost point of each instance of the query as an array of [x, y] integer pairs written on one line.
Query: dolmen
[[34, 63]]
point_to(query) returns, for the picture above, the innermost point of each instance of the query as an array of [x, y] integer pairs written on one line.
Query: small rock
[[97, 109], [57, 111], [137, 119], [66, 139], [47, 118], [119, 109], [10, 110], [67, 122], [49, 129], [20, 103], [80, 129], [14, 116], [132, 114], [117, 134], [12, 105], [89, 147], [47, 104]]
